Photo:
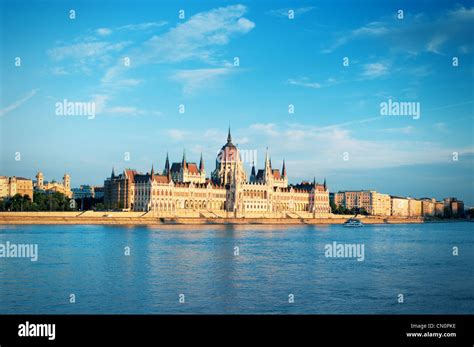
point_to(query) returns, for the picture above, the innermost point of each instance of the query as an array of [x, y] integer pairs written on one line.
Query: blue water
[[274, 261]]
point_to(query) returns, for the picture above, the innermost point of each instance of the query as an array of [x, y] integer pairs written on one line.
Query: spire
[[229, 136], [253, 177], [314, 181], [183, 162], [324, 183], [268, 163], [201, 165], [283, 169], [152, 173], [113, 172], [167, 165]]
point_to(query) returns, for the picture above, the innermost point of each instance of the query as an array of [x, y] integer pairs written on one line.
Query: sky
[[244, 65]]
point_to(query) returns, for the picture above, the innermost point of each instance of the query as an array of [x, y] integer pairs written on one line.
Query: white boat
[[353, 223]]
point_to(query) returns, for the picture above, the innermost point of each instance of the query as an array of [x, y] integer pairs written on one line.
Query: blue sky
[[283, 61]]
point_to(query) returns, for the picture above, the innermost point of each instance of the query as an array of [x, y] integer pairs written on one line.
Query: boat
[[353, 223]]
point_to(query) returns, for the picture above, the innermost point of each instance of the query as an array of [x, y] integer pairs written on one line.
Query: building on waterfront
[[428, 207], [399, 206], [98, 192], [119, 190], [51, 187], [439, 209], [182, 189], [415, 207], [453, 207], [83, 192], [372, 202], [185, 171], [10, 186]]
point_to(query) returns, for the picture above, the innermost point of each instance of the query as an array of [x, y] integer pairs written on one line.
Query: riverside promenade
[[146, 218]]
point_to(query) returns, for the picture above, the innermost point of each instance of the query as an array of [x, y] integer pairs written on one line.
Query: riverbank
[[140, 218]]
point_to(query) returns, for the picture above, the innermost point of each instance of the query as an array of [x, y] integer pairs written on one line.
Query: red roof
[[192, 168], [320, 187], [130, 174], [160, 179]]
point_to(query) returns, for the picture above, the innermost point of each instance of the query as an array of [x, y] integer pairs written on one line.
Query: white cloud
[[198, 37], [375, 70], [142, 26], [177, 134], [304, 82], [435, 43], [268, 129], [330, 142], [130, 111], [283, 12], [102, 107], [416, 32], [18, 103], [408, 130], [194, 80], [85, 50], [59, 71], [130, 27], [307, 148], [104, 31]]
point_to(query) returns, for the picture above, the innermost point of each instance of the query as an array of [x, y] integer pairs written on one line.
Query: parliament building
[[183, 190]]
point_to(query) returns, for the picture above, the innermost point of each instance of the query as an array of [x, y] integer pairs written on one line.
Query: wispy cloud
[[327, 146], [194, 80], [103, 108], [374, 70], [330, 142], [85, 50], [177, 134], [84, 57], [284, 12], [416, 32], [18, 103], [304, 82], [197, 40], [104, 31], [142, 26], [130, 27], [199, 37], [408, 130]]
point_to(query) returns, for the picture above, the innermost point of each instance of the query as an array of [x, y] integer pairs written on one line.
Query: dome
[[229, 151]]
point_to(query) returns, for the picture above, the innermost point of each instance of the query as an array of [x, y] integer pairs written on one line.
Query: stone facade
[[119, 190], [415, 208], [439, 209], [399, 206], [428, 207], [10, 186], [182, 189], [454, 207], [53, 186], [371, 201]]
